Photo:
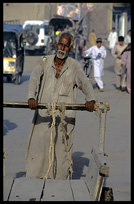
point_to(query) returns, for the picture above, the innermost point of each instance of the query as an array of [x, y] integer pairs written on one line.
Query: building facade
[[98, 16], [122, 17]]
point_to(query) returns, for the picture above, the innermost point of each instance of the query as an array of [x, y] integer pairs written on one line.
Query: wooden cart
[[89, 189]]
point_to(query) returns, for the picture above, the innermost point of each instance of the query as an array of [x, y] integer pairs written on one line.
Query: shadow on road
[[20, 174], [111, 69], [78, 164], [23, 79], [7, 126]]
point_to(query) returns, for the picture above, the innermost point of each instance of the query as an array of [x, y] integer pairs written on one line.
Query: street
[[17, 124]]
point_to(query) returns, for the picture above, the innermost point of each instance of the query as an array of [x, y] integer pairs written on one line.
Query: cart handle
[[100, 105]]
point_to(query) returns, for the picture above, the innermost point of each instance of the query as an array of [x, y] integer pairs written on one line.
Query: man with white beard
[[61, 76]]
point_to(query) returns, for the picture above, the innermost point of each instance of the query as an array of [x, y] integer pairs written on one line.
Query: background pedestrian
[[112, 39], [119, 72], [126, 59], [92, 38], [98, 53], [128, 37]]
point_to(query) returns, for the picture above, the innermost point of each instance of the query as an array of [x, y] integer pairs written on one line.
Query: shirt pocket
[[65, 89]]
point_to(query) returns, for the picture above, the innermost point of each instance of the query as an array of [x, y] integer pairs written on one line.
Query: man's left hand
[[90, 105]]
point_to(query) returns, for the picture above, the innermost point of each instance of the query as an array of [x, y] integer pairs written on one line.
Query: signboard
[[59, 10], [69, 10], [87, 6]]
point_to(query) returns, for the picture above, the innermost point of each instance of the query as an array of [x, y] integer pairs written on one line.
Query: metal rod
[[7, 104]]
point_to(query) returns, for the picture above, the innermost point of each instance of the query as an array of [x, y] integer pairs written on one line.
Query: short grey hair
[[68, 35]]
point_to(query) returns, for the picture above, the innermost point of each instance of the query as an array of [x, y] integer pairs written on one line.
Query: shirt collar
[[64, 68]]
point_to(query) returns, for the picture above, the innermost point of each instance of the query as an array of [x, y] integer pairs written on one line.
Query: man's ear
[[70, 50]]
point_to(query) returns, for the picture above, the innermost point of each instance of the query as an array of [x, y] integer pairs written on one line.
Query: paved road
[[17, 124]]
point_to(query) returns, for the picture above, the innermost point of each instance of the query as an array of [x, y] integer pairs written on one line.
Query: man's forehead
[[65, 37]]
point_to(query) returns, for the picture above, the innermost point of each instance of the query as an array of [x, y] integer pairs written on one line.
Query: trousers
[[99, 82], [121, 78]]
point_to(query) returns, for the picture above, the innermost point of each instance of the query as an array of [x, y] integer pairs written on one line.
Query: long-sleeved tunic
[[126, 59], [98, 62], [113, 39], [117, 51], [61, 89]]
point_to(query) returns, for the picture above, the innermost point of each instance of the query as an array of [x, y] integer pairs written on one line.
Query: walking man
[[98, 53], [92, 38], [126, 60], [112, 39], [120, 73], [62, 75], [127, 39]]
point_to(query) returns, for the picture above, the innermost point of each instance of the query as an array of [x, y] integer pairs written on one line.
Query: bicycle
[[88, 66]]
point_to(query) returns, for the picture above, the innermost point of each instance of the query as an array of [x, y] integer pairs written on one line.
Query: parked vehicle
[[36, 35], [13, 52]]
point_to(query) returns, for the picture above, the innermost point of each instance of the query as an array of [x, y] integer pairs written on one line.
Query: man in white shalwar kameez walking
[[112, 39], [98, 53]]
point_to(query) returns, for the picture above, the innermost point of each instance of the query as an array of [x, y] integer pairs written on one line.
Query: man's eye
[[60, 44], [67, 46]]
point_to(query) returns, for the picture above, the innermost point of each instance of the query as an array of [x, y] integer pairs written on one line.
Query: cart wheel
[[9, 78], [17, 79], [107, 194]]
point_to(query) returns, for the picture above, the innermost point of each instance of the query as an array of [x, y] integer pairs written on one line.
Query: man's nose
[[63, 47]]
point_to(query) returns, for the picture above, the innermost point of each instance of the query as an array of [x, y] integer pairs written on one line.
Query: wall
[[28, 11], [100, 19]]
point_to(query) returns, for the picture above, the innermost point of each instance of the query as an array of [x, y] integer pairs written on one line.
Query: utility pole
[[50, 11]]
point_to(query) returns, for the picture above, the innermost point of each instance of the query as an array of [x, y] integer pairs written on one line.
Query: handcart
[[89, 189]]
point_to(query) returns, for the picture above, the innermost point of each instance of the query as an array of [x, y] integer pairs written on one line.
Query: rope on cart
[[63, 126], [51, 147]]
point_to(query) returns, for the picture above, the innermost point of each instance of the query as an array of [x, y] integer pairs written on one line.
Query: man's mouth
[[61, 54]]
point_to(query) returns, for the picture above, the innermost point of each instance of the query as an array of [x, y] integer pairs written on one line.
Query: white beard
[[61, 54]]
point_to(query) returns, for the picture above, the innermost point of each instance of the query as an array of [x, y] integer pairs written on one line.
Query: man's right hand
[[32, 103], [119, 56]]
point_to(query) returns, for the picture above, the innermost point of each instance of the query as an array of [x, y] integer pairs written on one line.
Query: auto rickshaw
[[57, 24], [13, 52]]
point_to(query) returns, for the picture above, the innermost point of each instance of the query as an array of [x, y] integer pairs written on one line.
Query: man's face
[[121, 43], [63, 47], [99, 44]]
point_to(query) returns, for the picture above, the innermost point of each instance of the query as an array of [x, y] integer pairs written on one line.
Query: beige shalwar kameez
[[56, 90], [119, 72], [126, 59]]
